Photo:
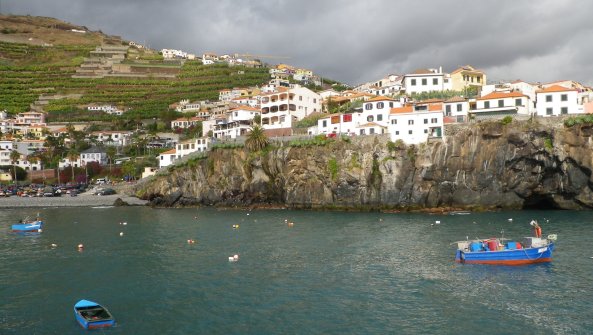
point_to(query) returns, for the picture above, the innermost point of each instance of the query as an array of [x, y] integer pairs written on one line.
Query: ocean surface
[[330, 273]]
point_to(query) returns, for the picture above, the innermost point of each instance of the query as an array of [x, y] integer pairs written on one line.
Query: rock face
[[484, 166]]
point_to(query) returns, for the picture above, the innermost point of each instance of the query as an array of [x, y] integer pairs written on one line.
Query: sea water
[[327, 273]]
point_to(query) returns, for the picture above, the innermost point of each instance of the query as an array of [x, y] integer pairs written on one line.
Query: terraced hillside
[[29, 71]]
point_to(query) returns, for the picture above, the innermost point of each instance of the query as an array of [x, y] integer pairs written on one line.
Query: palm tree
[[14, 158], [72, 157], [256, 139], [110, 151]]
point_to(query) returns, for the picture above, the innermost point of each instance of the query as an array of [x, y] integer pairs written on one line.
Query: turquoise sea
[[330, 273]]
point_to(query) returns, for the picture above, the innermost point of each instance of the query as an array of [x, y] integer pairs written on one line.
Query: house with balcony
[[28, 118], [557, 100], [189, 146], [377, 110], [501, 104], [467, 76], [186, 122], [456, 110], [282, 108], [237, 122], [113, 138], [416, 123], [426, 80]]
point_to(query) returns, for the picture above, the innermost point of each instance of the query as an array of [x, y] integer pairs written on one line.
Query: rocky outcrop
[[483, 166]]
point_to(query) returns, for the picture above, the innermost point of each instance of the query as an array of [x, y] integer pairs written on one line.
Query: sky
[[356, 41]]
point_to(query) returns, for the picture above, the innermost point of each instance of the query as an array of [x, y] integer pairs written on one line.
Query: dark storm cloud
[[356, 41]]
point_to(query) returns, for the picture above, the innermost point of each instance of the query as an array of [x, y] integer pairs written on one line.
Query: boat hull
[[507, 257], [91, 315], [34, 227]]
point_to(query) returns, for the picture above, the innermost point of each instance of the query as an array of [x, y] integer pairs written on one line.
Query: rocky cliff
[[483, 166]]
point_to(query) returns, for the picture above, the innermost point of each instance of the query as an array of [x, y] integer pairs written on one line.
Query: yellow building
[[467, 76]]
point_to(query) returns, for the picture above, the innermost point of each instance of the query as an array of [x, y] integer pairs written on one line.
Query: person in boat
[[537, 230]]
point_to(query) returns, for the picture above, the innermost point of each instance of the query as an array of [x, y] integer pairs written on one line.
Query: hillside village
[[410, 108]]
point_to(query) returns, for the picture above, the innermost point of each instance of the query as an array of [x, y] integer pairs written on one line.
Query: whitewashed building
[[114, 138], [187, 147], [557, 100], [415, 124], [166, 158], [237, 122], [500, 104], [426, 80], [456, 110], [280, 109], [185, 122]]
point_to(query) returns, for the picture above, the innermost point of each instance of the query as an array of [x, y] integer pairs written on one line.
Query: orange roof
[[555, 88], [404, 109], [467, 68], [169, 152], [371, 124], [379, 98], [246, 108], [330, 115], [435, 107], [429, 101], [502, 95], [423, 71]]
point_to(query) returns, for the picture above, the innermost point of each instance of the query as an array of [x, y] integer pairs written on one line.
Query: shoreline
[[81, 200]]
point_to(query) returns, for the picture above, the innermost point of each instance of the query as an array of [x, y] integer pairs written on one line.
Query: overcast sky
[[355, 41]]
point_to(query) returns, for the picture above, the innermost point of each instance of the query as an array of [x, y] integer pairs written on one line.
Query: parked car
[[106, 191]]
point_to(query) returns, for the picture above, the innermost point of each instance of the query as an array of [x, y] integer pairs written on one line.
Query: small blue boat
[[500, 251], [28, 226], [91, 315]]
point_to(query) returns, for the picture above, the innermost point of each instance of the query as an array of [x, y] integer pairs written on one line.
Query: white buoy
[[121, 233], [53, 245], [124, 223], [190, 241], [233, 258], [80, 246], [510, 220], [437, 222], [247, 213]]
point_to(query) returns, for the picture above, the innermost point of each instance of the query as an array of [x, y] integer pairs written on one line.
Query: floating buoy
[[233, 258], [121, 233], [53, 245], [247, 213], [124, 223], [437, 222], [190, 241], [235, 226], [510, 220], [80, 246]]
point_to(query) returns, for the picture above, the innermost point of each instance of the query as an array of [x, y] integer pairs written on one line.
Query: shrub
[[507, 120]]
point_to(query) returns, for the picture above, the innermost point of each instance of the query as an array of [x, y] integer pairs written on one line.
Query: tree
[[14, 158], [110, 151], [256, 139], [73, 157], [129, 169]]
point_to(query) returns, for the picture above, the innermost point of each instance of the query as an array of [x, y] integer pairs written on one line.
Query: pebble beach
[[81, 200]]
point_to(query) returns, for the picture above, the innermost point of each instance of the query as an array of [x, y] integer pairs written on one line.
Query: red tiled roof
[[404, 109], [456, 99], [169, 152], [380, 98], [555, 88]]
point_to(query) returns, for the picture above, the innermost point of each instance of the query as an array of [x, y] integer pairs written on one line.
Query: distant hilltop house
[[109, 109], [184, 106], [176, 54]]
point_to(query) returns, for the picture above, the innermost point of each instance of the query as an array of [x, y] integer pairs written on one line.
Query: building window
[[370, 118], [424, 82], [564, 97], [394, 121], [410, 122], [425, 121], [390, 104], [371, 131], [368, 107], [549, 98], [324, 123], [433, 120], [548, 111], [397, 132], [500, 103], [435, 81], [448, 110], [380, 105], [564, 110], [459, 107], [486, 104], [379, 117], [426, 131], [518, 102], [413, 82], [409, 132]]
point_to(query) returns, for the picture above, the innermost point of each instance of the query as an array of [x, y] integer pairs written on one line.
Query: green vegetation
[[469, 92], [397, 145], [507, 120], [548, 144], [576, 120], [332, 167], [319, 140], [31, 71], [256, 139]]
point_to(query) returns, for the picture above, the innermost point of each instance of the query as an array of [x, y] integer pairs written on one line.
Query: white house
[[93, 154], [115, 138], [415, 124], [557, 100], [337, 124], [186, 147], [426, 80], [185, 122], [6, 145], [378, 109], [237, 122], [166, 158], [173, 53], [499, 104], [456, 110], [280, 109]]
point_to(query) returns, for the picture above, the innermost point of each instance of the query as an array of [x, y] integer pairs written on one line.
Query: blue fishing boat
[[501, 251], [91, 315], [28, 226]]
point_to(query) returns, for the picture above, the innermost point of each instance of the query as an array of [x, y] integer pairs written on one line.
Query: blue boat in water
[[500, 251], [91, 315], [28, 226]]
